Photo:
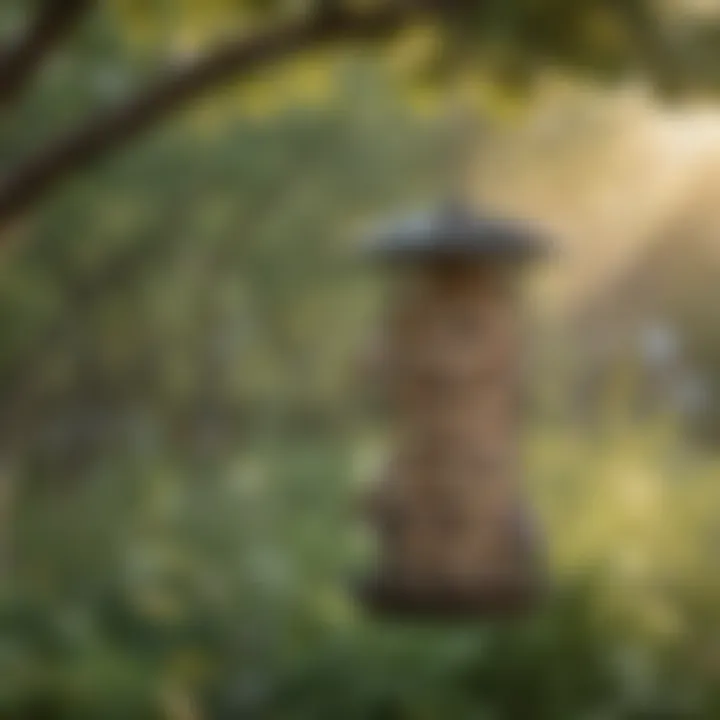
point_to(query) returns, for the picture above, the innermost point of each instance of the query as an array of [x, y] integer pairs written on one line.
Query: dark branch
[[19, 63], [111, 129]]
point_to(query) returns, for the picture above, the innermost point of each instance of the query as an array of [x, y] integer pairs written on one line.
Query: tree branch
[[110, 129], [18, 64]]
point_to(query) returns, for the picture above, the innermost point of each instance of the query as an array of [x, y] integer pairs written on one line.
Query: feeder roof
[[454, 232]]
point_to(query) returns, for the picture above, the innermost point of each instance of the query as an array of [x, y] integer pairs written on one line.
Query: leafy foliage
[[183, 442]]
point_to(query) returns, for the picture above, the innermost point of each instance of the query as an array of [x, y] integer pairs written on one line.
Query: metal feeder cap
[[453, 232]]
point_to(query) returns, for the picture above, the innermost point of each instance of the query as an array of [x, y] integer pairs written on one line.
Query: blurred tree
[[509, 41]]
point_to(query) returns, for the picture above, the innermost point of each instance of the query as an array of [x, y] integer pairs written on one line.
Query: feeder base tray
[[506, 597]]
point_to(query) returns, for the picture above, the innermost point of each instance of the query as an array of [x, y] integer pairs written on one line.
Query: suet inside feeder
[[455, 536]]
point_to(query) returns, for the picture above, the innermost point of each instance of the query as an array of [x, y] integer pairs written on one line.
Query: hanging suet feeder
[[455, 536]]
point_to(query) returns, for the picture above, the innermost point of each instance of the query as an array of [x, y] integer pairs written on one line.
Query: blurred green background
[[186, 431]]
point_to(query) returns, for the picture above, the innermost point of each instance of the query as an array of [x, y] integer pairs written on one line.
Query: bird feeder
[[455, 536]]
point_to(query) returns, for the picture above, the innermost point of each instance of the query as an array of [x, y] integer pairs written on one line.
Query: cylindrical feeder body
[[455, 536]]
